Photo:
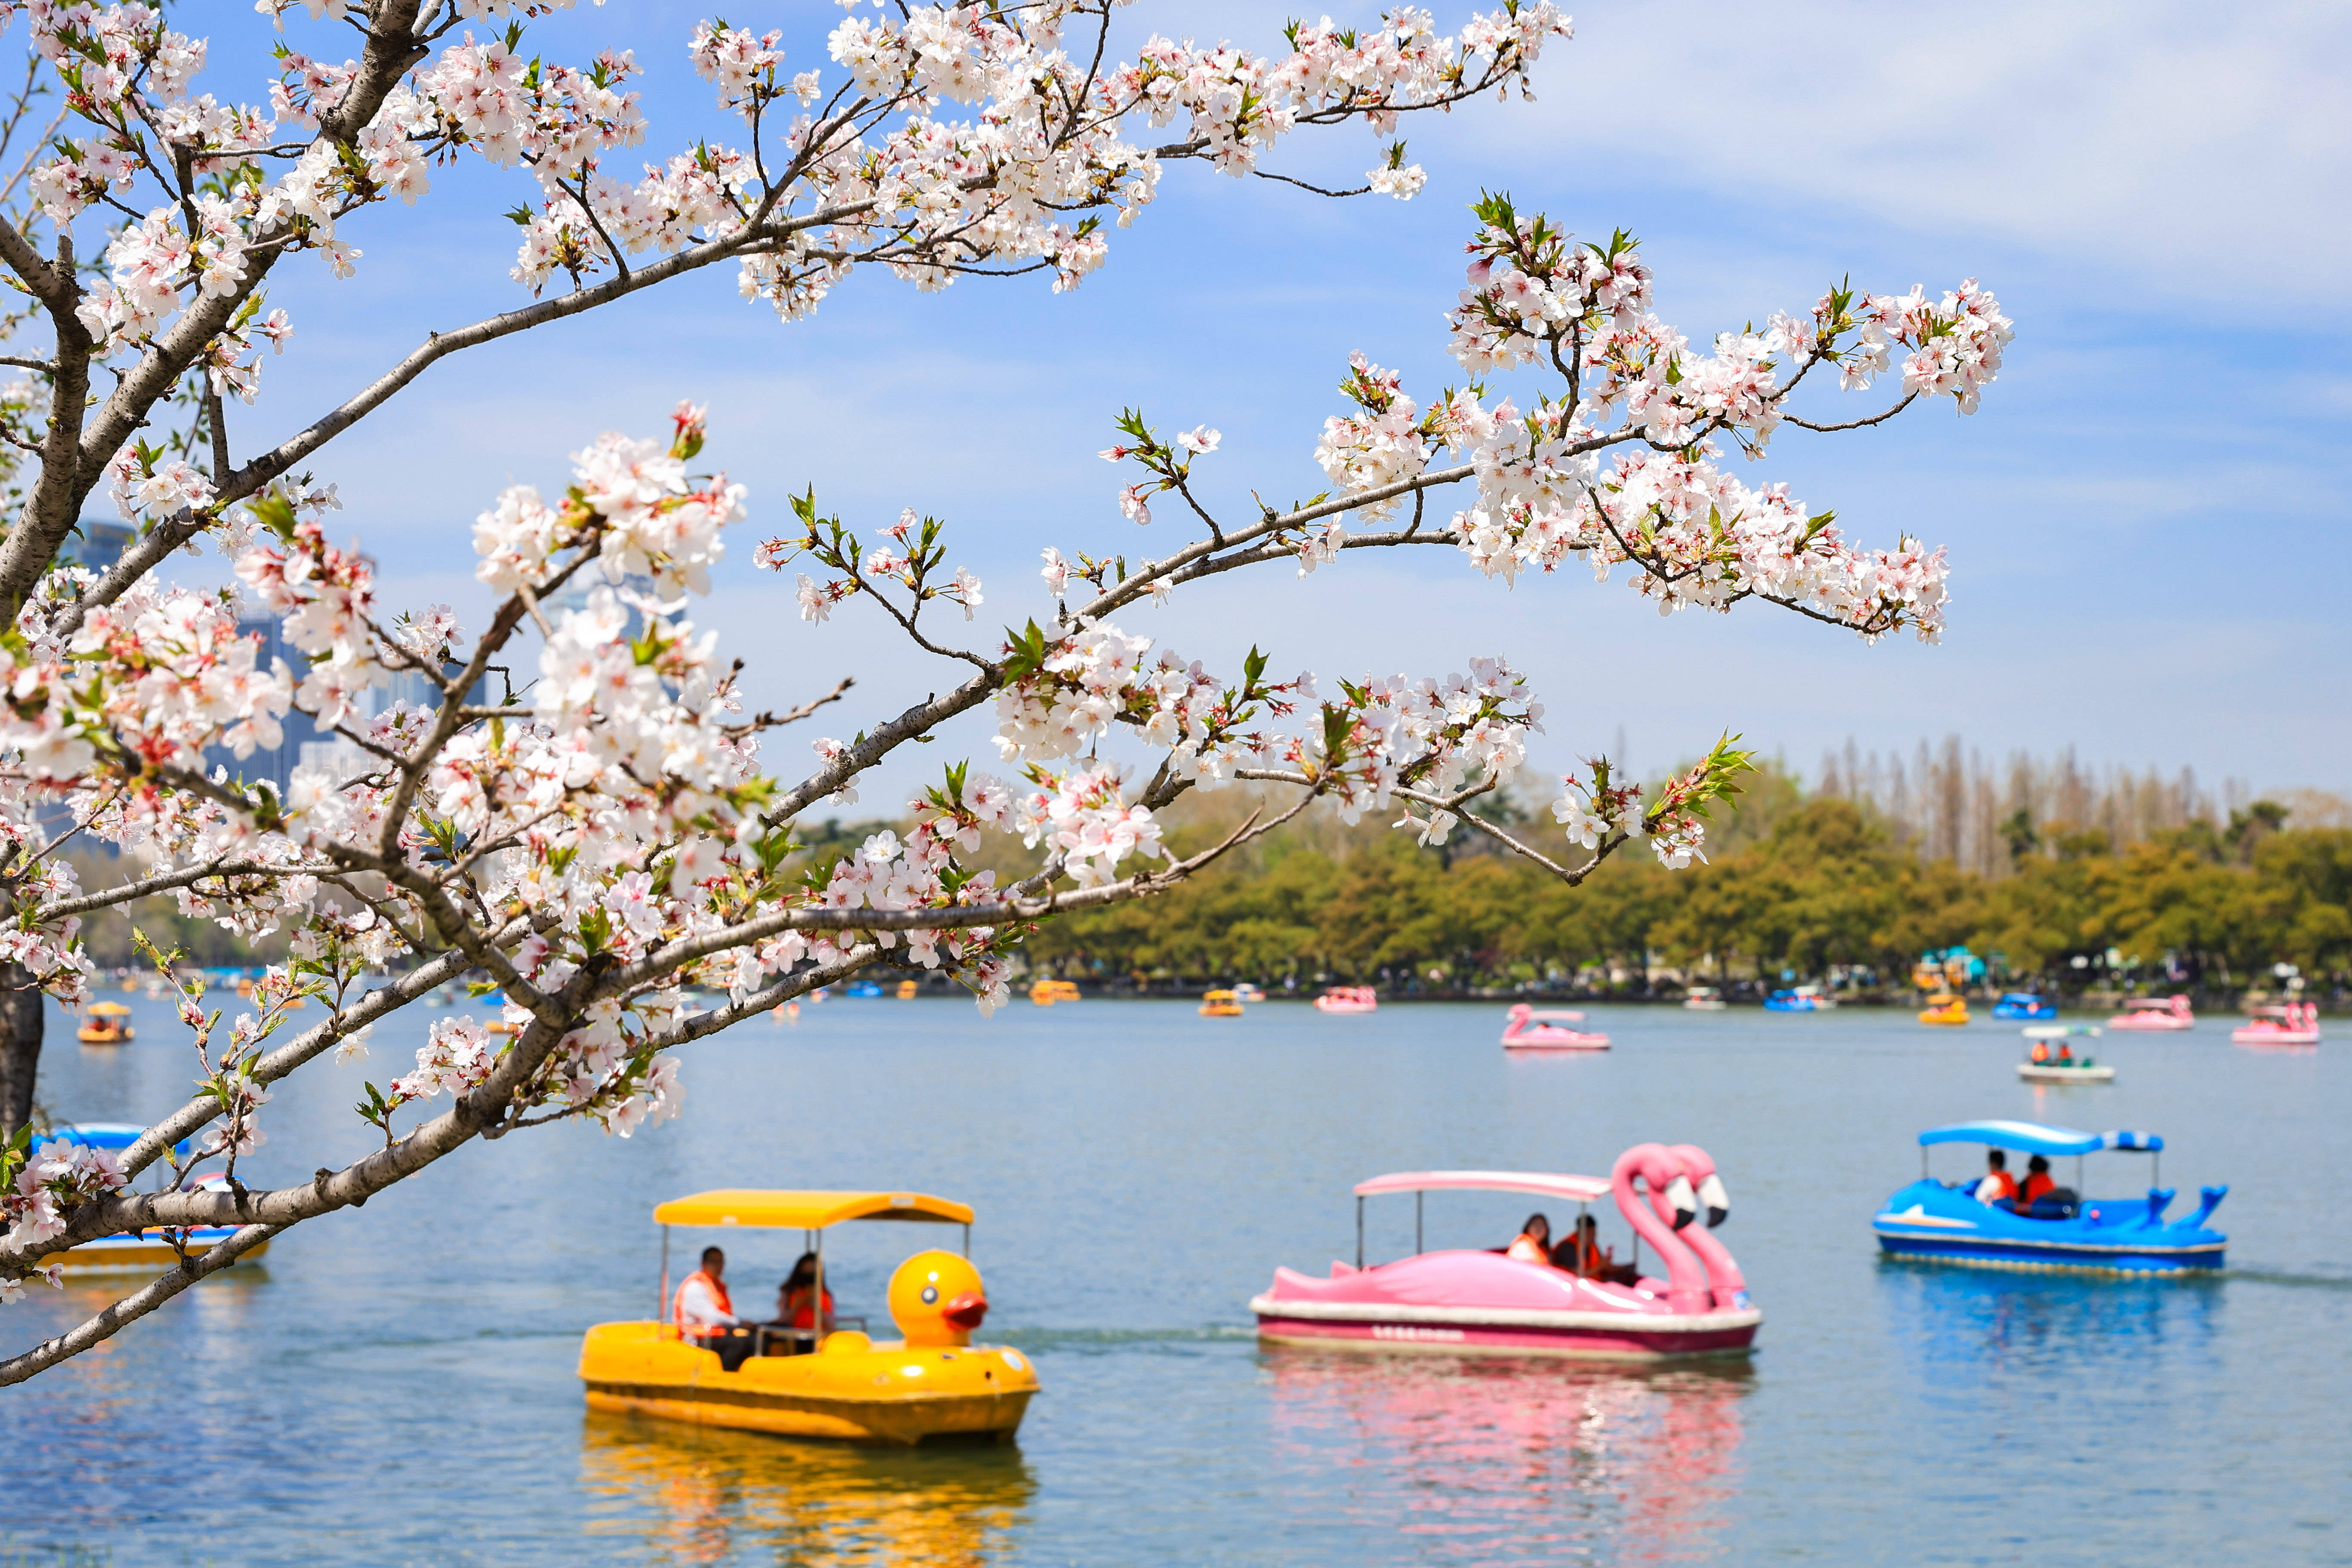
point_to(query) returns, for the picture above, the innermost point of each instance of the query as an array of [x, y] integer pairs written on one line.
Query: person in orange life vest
[[795, 1304], [1582, 1254], [706, 1315], [2038, 1182], [2040, 1051], [1998, 1183], [1533, 1244]]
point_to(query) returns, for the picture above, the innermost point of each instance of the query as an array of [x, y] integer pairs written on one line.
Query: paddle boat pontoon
[[106, 1024], [2160, 1015], [1801, 999], [2049, 1058], [144, 1250], [1045, 993], [1220, 1005], [1486, 1302], [1349, 999], [1704, 999], [2290, 1023], [1247, 991], [1528, 1030], [1945, 1009], [1946, 1222], [802, 1383], [2025, 1006]]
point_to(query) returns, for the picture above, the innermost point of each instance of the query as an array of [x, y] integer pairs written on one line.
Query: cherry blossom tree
[[602, 834]]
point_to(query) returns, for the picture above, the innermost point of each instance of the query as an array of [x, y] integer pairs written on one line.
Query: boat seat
[[2058, 1203]]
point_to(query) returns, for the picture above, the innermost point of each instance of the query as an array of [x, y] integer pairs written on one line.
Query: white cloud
[[2195, 146]]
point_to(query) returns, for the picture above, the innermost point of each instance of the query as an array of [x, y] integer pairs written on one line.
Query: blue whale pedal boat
[[1945, 1222], [2025, 1005]]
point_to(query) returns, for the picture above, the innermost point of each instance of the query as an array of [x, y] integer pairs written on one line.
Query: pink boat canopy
[[1575, 1189]]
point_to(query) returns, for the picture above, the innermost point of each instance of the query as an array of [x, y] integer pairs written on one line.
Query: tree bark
[[22, 1019]]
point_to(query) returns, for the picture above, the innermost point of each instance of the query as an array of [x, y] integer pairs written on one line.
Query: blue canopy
[[2031, 1138]]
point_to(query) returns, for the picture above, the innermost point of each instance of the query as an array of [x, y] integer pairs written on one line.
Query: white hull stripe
[[2036, 1245], [1505, 1317]]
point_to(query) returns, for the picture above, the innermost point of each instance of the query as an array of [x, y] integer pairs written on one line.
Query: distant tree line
[[1809, 883], [1801, 884]]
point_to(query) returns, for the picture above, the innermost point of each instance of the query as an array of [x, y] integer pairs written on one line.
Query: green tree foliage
[[1795, 883]]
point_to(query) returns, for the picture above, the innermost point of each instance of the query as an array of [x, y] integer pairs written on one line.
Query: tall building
[[304, 744], [95, 543]]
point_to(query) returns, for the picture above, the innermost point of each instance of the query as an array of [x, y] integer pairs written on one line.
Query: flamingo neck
[[1686, 1279]]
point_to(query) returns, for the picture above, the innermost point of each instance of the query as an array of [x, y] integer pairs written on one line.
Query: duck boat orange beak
[[966, 1311]]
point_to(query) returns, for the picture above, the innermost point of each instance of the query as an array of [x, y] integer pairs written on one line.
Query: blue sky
[[2144, 519]]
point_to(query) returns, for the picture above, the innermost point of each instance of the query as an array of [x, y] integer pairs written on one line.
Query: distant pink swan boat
[[1477, 1301], [1349, 999], [1528, 1030], [2155, 1013], [2295, 1024]]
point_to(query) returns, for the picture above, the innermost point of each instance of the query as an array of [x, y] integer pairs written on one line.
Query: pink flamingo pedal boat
[[2295, 1024], [1349, 999], [1487, 1302], [1528, 1030], [2157, 1014]]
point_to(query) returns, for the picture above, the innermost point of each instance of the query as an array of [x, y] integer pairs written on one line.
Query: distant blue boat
[[2024, 1004], [1947, 1223], [1803, 999], [863, 988]]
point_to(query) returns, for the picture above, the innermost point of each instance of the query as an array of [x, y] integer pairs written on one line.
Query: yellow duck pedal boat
[[932, 1382], [1946, 1009], [1221, 1005], [107, 1023]]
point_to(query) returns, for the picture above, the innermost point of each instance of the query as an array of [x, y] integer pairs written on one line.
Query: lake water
[[397, 1384]]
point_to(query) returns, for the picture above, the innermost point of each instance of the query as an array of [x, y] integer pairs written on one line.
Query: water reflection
[[708, 1496], [1971, 1326], [1496, 1459]]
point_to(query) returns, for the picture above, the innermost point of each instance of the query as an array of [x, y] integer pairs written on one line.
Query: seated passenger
[[2038, 1182], [706, 1315], [1998, 1183], [1534, 1242], [796, 1306], [1582, 1254]]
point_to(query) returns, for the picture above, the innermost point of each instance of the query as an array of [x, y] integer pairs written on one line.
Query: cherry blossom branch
[[119, 1315]]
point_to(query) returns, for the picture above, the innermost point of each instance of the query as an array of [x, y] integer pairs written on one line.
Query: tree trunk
[[22, 1018]]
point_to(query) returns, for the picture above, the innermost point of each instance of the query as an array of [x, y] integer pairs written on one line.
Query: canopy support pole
[[2078, 1176], [1416, 1225], [661, 1308], [1359, 1231], [2155, 1168], [816, 1306], [967, 1240]]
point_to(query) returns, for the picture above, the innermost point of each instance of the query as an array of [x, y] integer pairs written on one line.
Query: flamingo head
[[1686, 1205], [1718, 1201]]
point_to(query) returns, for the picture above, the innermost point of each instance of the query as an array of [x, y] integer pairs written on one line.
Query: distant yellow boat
[[805, 1383], [908, 990], [108, 1024], [1045, 993], [1221, 1005], [1946, 1008]]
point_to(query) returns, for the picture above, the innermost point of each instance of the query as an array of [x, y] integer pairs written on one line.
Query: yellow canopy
[[110, 1008], [806, 1211]]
